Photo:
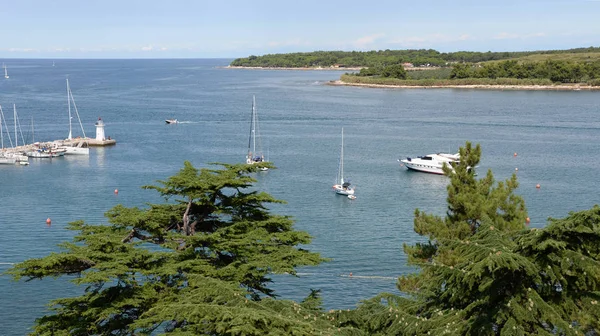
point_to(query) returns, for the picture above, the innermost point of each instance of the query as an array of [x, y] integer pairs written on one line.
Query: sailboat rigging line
[[251, 126], [5, 127], [69, 100], [18, 122]]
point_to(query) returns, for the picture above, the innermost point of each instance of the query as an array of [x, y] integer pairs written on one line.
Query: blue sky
[[229, 29]]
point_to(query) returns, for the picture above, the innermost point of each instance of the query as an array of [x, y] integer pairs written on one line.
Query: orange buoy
[[116, 191], [515, 154], [527, 220], [516, 169], [537, 186], [48, 221]]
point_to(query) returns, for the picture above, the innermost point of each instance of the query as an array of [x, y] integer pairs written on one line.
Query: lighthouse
[[100, 130]]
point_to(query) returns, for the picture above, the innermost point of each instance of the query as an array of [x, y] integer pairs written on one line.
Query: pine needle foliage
[[200, 263], [484, 273]]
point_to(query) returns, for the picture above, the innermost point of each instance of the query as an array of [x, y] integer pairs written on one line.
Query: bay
[[555, 136]]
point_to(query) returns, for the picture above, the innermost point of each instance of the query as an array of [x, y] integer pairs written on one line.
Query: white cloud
[[289, 43], [429, 40], [27, 50], [147, 48], [512, 36], [367, 40]]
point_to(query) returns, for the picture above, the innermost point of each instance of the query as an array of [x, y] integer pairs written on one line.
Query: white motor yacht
[[431, 163]]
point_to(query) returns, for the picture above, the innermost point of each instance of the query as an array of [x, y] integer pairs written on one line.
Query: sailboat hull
[[76, 150], [5, 160], [343, 191]]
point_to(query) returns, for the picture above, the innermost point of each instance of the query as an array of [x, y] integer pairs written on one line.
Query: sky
[[234, 28]]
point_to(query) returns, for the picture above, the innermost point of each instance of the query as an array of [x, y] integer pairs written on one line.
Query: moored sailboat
[[73, 146], [255, 154], [342, 186]]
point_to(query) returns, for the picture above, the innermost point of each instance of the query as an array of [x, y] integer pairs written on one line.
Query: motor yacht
[[431, 163]]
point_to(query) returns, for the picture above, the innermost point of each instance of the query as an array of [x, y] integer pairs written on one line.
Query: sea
[[550, 138]]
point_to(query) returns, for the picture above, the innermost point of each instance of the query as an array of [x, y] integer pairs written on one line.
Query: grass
[[438, 73], [574, 57]]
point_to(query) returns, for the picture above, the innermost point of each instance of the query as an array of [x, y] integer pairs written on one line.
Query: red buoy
[[116, 191], [48, 221], [350, 273], [537, 186], [515, 154], [527, 220]]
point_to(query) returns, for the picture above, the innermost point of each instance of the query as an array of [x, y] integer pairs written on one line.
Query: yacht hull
[[423, 168]]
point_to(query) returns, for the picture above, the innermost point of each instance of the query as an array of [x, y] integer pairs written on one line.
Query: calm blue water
[[554, 133]]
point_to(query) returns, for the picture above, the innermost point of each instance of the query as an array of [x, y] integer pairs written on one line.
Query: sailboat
[[4, 158], [13, 155], [254, 155], [342, 186], [5, 71], [72, 146]]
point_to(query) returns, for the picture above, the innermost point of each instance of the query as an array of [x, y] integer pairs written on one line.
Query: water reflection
[[419, 179], [99, 153], [78, 160]]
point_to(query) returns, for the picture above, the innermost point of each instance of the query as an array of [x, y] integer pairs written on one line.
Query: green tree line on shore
[[418, 57], [557, 71], [201, 263]]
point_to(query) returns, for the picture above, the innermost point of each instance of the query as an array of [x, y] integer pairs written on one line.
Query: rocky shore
[[558, 87]]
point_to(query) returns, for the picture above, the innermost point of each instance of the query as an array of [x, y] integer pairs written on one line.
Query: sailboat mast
[[342, 159], [1, 133], [16, 138], [254, 124], [32, 132], [251, 129], [69, 107]]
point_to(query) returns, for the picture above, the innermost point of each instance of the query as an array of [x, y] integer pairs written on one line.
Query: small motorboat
[[171, 121]]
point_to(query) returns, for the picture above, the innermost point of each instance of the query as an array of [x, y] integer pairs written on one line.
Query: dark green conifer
[[200, 263]]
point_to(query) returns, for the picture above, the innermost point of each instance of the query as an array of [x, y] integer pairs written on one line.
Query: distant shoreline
[[563, 87], [281, 68]]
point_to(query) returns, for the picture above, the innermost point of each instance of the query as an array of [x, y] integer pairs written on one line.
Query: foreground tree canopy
[[197, 264], [200, 264]]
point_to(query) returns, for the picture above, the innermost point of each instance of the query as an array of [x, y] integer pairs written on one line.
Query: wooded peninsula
[[549, 69]]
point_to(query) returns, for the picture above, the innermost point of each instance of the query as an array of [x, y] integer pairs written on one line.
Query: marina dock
[[91, 142]]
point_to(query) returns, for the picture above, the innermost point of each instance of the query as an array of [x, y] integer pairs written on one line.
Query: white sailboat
[[5, 71], [11, 156], [4, 158], [72, 146], [255, 154], [342, 186]]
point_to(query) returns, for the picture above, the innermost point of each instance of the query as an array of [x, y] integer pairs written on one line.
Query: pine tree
[[200, 263]]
